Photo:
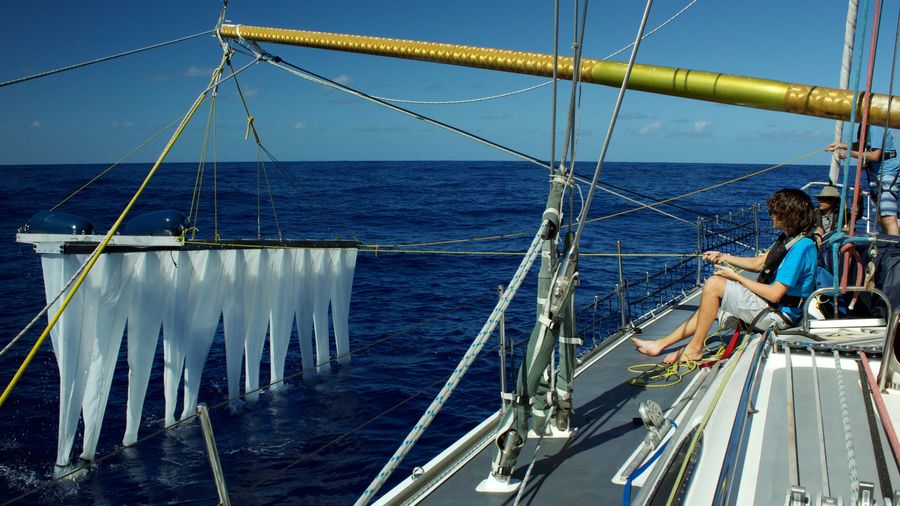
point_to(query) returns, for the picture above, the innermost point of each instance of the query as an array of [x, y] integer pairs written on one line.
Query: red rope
[[879, 403], [861, 149]]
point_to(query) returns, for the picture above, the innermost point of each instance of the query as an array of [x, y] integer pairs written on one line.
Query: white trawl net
[[255, 291]]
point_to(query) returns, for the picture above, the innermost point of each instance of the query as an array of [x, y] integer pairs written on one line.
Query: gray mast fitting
[[532, 395]]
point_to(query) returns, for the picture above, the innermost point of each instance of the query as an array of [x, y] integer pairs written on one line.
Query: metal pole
[[699, 249], [500, 289], [621, 285], [213, 453], [756, 230]]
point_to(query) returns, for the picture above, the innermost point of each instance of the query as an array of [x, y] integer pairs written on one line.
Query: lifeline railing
[[631, 302]]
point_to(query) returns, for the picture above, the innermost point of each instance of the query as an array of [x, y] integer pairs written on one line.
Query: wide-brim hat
[[829, 192]]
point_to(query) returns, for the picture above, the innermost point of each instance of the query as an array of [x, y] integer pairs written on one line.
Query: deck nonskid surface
[[581, 467]]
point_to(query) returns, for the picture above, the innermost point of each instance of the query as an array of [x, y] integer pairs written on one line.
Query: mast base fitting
[[494, 484], [552, 432]]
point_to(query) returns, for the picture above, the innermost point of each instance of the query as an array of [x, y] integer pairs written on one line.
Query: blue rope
[[626, 496]]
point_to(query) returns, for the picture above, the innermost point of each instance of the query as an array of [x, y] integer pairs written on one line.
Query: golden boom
[[745, 91]]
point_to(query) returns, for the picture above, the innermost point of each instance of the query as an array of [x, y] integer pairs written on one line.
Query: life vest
[[776, 254]]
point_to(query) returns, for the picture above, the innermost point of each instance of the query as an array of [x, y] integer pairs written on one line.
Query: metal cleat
[[796, 496], [865, 496]]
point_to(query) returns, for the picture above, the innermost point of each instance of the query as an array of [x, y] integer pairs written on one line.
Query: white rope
[[105, 58], [530, 88], [45, 309], [471, 354]]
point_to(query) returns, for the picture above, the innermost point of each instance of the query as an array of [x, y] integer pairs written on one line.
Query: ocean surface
[[322, 440]]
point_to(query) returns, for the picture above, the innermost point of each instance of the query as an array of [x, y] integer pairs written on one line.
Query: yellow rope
[[194, 211], [711, 187], [376, 248], [658, 375], [702, 425], [627, 211], [113, 166], [109, 235]]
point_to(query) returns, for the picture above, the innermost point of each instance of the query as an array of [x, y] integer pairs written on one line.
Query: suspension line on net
[[116, 164], [103, 59], [95, 255]]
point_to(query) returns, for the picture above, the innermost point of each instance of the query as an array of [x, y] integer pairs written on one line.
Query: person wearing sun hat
[[827, 213]]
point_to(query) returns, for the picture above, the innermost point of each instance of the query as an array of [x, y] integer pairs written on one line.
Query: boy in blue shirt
[[782, 286]]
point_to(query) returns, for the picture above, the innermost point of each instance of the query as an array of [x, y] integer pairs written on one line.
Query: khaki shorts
[[739, 303]]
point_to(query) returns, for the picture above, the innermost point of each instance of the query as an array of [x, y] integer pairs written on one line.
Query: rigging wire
[[103, 59], [406, 330], [541, 85], [378, 247], [313, 77], [95, 255], [612, 124], [75, 275], [116, 164]]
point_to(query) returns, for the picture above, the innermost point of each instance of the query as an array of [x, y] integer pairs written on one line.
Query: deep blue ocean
[[413, 315]]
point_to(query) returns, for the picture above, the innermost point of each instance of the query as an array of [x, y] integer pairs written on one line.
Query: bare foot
[[651, 348], [682, 355]]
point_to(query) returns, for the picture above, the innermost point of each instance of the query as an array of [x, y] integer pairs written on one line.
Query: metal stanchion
[[213, 453]]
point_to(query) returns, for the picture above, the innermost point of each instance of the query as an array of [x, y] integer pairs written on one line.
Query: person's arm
[[772, 293], [754, 264], [840, 148]]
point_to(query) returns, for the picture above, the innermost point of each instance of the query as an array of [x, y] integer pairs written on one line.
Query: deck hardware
[[417, 472], [791, 420], [213, 453], [502, 351], [796, 496], [751, 408], [829, 501], [823, 459], [884, 373], [652, 415], [866, 494]]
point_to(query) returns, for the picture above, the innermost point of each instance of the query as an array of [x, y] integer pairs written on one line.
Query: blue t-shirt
[[798, 272], [873, 140]]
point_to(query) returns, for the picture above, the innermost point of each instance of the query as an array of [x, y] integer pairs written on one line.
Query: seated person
[[780, 288], [827, 212]]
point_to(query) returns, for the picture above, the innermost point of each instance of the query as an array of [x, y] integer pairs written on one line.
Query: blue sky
[[99, 113]]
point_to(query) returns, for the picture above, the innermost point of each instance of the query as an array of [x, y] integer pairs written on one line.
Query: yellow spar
[[753, 92]]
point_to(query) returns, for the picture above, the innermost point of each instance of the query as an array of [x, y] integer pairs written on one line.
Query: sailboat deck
[[587, 465], [608, 430]]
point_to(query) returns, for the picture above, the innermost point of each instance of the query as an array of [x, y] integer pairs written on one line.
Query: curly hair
[[794, 210]]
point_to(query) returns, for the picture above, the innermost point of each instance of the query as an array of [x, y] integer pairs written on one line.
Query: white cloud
[[702, 127], [35, 124], [122, 124], [251, 92], [344, 79], [650, 128], [194, 71], [299, 125]]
